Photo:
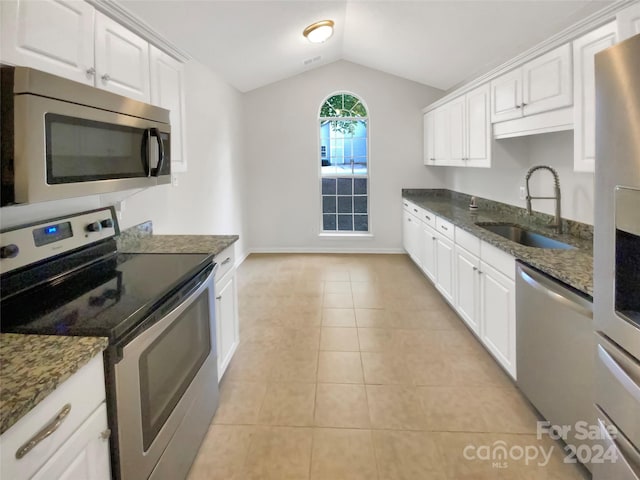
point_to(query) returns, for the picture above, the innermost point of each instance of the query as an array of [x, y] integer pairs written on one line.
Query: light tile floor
[[353, 367]]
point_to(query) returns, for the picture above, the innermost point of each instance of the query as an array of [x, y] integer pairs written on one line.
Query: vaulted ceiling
[[437, 43]]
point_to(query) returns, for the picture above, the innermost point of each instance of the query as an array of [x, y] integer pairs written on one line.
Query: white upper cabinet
[[540, 85], [584, 110], [629, 22], [122, 60], [429, 149], [167, 92], [478, 127], [547, 82], [459, 132], [506, 96], [55, 36]]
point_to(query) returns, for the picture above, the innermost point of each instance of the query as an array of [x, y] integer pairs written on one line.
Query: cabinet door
[[55, 36], [478, 127], [628, 22], [406, 232], [498, 316], [429, 153], [457, 134], [467, 287], [429, 252], [584, 103], [167, 91], [84, 455], [506, 96], [547, 81], [122, 60], [227, 331], [415, 237], [444, 267], [441, 135]]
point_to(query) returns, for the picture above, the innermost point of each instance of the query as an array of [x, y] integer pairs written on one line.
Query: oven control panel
[[27, 244]]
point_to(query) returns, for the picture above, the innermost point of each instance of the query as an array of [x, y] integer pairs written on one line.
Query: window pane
[[328, 222], [359, 186], [361, 223], [345, 186], [360, 204], [328, 204], [345, 222], [345, 204], [328, 186]]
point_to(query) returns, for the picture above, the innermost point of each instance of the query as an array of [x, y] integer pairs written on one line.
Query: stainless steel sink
[[524, 237]]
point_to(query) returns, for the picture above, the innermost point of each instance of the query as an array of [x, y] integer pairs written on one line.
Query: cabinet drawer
[[445, 228], [84, 391], [469, 242], [501, 261], [226, 260], [428, 218], [407, 205]]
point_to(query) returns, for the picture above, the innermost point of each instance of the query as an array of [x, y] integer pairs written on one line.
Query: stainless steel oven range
[[64, 276]]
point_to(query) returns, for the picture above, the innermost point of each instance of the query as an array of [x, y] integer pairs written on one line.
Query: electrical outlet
[[174, 180], [523, 193]]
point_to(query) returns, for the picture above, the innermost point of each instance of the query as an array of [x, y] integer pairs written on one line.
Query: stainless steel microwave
[[62, 139]]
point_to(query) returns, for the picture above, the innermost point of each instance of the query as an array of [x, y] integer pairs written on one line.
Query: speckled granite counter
[[32, 366], [140, 239], [573, 267]]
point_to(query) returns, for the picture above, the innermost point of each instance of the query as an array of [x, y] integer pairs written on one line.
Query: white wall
[[502, 181], [282, 155], [208, 198]]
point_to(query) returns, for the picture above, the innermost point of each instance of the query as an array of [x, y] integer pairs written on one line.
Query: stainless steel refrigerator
[[617, 259]]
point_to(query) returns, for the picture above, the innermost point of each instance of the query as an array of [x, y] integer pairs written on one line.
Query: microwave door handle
[[156, 133], [144, 152]]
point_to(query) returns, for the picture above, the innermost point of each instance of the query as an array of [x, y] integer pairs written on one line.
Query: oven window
[[169, 364], [628, 275], [80, 150]]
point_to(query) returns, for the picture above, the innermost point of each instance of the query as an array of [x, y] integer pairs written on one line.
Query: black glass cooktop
[[107, 299]]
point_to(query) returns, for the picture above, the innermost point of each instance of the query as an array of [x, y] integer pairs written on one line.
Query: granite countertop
[[32, 366], [141, 239], [572, 267], [180, 244]]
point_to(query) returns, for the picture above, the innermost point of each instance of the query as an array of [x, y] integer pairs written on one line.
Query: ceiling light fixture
[[319, 32]]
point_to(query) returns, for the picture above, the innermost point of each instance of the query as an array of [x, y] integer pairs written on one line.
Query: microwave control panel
[[22, 246]]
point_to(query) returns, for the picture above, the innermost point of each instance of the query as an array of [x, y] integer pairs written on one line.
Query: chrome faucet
[[557, 221]]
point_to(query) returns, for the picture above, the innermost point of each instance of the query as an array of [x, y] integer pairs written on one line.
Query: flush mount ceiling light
[[319, 32]]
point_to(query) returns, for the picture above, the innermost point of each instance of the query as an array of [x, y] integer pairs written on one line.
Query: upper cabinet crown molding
[[576, 30], [628, 22], [124, 17]]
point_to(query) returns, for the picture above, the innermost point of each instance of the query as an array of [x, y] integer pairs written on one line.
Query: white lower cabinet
[[476, 278], [498, 316], [429, 241], [78, 445], [444, 267], [467, 287], [227, 325]]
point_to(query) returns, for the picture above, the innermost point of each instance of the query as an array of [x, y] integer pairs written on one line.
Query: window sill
[[345, 235]]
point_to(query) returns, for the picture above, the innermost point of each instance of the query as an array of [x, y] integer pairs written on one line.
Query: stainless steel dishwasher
[[555, 350]]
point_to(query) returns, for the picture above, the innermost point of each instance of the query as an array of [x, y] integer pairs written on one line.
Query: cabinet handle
[[433, 238], [106, 77], [427, 217], [91, 71], [226, 260], [415, 210], [443, 227], [475, 269], [46, 431], [219, 297], [524, 104], [406, 204], [408, 219]]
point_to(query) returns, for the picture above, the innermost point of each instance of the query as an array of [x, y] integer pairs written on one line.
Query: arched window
[[344, 165]]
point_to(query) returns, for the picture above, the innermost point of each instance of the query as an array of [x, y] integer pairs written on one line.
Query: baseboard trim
[[382, 251], [242, 258]]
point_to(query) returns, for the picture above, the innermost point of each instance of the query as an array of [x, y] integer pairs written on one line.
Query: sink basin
[[524, 237]]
